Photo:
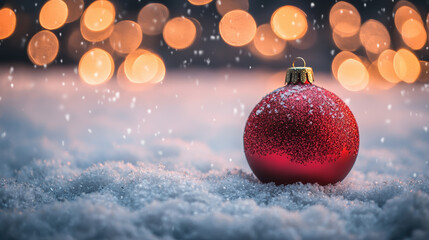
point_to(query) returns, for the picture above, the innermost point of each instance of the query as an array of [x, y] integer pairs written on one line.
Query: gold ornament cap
[[299, 75]]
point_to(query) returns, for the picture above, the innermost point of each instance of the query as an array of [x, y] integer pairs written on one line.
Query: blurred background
[[200, 34], [123, 119]]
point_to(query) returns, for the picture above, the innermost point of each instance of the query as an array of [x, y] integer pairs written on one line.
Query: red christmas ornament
[[301, 133]]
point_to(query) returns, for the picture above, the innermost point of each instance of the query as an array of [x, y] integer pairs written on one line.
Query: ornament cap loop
[[298, 58], [299, 75]]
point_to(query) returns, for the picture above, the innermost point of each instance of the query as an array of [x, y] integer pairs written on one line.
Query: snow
[[57, 181]]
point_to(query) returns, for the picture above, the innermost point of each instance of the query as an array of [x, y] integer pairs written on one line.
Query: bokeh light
[[266, 42], [97, 21], [351, 43], [405, 13], [406, 65], [224, 6], [128, 85], [339, 59], [414, 34], [344, 19], [53, 14], [143, 66], [199, 2], [152, 18], [289, 22], [409, 24], [75, 9], [7, 22], [353, 75], [96, 66], [126, 36], [95, 36], [345, 22], [385, 66], [374, 36], [179, 33], [143, 69], [43, 48], [99, 15], [237, 28]]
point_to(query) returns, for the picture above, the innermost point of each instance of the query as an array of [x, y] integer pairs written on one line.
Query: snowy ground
[[81, 162]]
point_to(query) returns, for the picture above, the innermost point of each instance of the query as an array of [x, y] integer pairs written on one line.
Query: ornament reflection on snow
[[301, 133]]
